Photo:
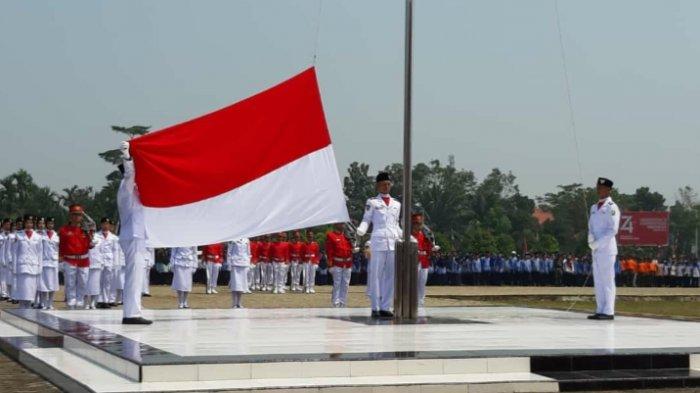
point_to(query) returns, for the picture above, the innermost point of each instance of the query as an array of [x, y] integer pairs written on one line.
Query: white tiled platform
[[312, 331], [325, 350]]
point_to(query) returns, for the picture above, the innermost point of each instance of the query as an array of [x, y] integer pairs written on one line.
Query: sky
[[489, 85]]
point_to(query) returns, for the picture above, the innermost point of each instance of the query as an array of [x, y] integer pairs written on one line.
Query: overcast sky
[[489, 84]]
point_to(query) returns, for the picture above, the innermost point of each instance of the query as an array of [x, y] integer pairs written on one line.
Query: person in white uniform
[[40, 229], [150, 262], [183, 262], [95, 272], [5, 277], [132, 239], [383, 212], [109, 252], [28, 252], [603, 224], [116, 291], [48, 284], [238, 260]]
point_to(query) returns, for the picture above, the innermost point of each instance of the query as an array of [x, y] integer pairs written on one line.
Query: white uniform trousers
[[309, 275], [94, 282], [146, 289], [76, 279], [135, 266], [270, 275], [422, 280], [106, 285], [251, 277], [341, 283], [295, 275], [380, 280], [280, 274], [604, 282], [212, 274]]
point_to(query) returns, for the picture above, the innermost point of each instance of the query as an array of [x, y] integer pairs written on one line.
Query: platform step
[[570, 381]]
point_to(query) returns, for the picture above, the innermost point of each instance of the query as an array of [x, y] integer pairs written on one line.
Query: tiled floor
[[313, 331]]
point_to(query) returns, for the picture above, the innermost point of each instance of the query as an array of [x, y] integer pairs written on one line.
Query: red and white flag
[[262, 165]]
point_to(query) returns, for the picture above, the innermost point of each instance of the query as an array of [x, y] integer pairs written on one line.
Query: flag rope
[[318, 31]]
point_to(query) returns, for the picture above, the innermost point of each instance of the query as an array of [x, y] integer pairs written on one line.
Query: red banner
[[643, 229]]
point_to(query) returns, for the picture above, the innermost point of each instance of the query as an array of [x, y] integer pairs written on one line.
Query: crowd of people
[[32, 257]]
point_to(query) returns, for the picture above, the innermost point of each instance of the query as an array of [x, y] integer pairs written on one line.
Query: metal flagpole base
[[406, 282]]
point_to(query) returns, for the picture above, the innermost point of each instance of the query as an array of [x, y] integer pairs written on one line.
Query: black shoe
[[103, 305], [375, 314], [136, 321], [14, 301], [146, 294], [385, 314], [594, 316], [113, 304], [601, 317]]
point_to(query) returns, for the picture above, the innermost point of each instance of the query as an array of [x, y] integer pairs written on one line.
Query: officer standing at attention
[[383, 212], [603, 224], [339, 251]]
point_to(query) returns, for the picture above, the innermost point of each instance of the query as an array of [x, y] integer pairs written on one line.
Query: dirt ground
[[661, 302]]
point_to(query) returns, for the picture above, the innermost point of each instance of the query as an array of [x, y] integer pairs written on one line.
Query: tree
[[19, 195], [685, 220], [358, 185]]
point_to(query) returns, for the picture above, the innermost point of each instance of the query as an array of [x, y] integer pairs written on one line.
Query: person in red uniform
[[213, 257], [425, 248], [339, 251], [312, 256], [280, 256], [297, 254], [267, 271], [73, 247], [254, 271]]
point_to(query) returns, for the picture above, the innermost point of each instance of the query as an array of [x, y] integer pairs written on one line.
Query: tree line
[[466, 214]]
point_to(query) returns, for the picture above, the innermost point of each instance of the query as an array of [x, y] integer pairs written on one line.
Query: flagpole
[[405, 297]]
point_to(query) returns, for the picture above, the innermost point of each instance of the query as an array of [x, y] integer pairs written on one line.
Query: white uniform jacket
[[108, 248], [184, 257], [50, 243], [238, 253], [3, 240], [602, 227], [385, 223], [28, 253]]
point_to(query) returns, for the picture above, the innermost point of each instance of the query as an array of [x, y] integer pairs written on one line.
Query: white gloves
[[436, 248], [362, 229], [124, 148], [591, 242], [356, 249]]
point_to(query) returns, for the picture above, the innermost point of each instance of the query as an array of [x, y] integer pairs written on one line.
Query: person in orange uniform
[[267, 271], [425, 248], [280, 256], [296, 251], [312, 256], [213, 257], [339, 251], [73, 248]]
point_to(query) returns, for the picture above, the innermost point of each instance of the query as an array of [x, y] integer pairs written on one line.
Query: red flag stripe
[[225, 149]]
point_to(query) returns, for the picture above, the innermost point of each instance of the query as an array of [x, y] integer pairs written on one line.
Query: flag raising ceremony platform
[[447, 349]]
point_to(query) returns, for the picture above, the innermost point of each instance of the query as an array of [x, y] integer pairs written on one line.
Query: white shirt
[[385, 223], [238, 253], [50, 258], [603, 225], [28, 253], [184, 257], [107, 247], [132, 224]]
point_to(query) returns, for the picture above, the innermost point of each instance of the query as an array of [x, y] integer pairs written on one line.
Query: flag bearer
[[296, 252], [109, 252], [339, 253], [213, 257], [238, 260], [312, 256], [48, 284], [425, 248], [183, 261], [383, 212], [603, 225], [74, 245], [28, 253]]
